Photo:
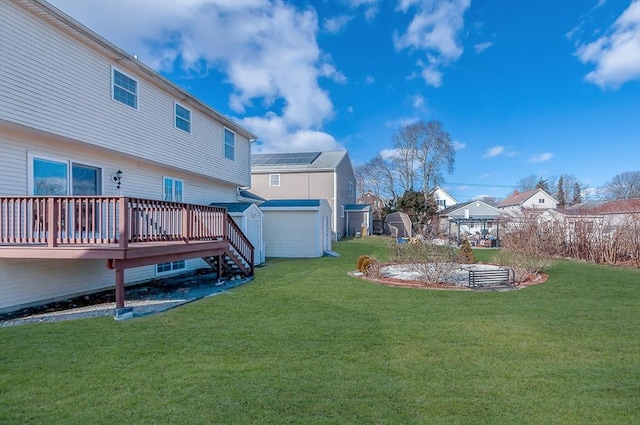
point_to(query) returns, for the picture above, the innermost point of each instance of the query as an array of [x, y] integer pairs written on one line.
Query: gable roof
[[444, 191], [477, 209], [522, 197], [297, 161], [75, 29]]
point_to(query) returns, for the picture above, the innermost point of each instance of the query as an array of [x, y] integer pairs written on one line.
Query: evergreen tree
[[542, 184], [561, 195], [413, 204], [577, 194]]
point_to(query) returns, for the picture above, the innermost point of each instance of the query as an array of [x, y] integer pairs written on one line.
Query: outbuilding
[[249, 219], [398, 224], [296, 227]]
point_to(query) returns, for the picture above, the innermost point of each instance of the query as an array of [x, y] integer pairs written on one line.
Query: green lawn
[[306, 344]]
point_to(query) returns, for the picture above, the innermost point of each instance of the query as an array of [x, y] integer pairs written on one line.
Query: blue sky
[[523, 87]]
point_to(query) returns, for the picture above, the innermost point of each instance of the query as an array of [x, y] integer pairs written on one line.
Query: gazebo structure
[[474, 217]]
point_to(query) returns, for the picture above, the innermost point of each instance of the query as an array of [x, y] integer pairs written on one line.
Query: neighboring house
[[610, 213], [442, 198], [377, 203], [473, 218], [297, 227], [307, 175], [536, 199], [358, 219], [105, 166]]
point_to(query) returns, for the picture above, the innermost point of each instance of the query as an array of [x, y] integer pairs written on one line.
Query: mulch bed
[[533, 279]]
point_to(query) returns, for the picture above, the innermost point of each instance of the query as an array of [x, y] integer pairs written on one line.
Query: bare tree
[[435, 152], [623, 186], [385, 177], [527, 183], [425, 148], [405, 145]]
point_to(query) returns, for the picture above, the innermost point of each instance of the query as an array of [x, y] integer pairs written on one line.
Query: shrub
[[360, 262], [466, 255], [368, 265], [523, 264]]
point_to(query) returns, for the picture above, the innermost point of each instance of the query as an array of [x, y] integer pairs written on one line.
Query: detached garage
[[296, 227]]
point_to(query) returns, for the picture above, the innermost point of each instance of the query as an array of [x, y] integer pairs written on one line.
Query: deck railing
[[68, 220]]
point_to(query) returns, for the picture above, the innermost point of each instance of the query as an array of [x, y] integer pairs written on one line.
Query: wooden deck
[[127, 232]]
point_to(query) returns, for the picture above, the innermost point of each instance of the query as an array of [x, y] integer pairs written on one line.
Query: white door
[[254, 234], [326, 233]]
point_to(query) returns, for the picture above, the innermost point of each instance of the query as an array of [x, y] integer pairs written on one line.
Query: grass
[[306, 344]]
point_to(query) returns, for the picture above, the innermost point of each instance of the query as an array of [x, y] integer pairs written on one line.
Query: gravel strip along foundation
[[147, 299]]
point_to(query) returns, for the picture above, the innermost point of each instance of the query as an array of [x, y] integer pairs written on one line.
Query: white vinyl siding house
[[536, 199], [125, 117]]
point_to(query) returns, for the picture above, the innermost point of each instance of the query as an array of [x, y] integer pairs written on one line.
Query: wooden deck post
[[54, 225], [123, 223], [119, 288]]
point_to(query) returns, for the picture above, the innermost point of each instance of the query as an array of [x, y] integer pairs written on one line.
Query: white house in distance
[[442, 197], [105, 166], [307, 175], [536, 199]]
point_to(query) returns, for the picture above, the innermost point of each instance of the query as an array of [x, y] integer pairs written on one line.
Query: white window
[[441, 202], [169, 267], [124, 89], [274, 179], [183, 118], [229, 144], [172, 189], [61, 177], [541, 201], [350, 188], [341, 210]]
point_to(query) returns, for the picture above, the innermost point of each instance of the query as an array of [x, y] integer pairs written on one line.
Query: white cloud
[[389, 153], [418, 101], [275, 136], [481, 47], [457, 145], [369, 79], [266, 48], [370, 7], [616, 54], [494, 151], [335, 24], [433, 30], [541, 157]]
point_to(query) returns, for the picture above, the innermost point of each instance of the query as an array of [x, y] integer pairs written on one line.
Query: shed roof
[[357, 207], [233, 207]]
